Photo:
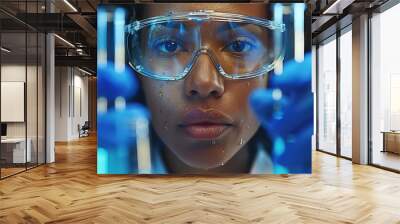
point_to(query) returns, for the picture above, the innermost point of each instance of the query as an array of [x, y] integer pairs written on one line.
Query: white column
[[50, 93], [360, 90]]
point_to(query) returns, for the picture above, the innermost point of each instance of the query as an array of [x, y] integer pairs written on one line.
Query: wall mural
[[205, 88]]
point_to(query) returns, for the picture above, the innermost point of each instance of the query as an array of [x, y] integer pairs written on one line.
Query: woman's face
[[205, 118]]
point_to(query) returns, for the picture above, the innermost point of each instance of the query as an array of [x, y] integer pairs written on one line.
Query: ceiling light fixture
[[337, 7], [331, 7], [84, 71], [65, 41], [5, 50], [70, 5]]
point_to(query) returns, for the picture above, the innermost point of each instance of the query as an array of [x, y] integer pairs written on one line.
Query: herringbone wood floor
[[69, 191]]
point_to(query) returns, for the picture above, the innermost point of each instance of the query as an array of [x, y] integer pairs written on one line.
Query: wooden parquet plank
[[70, 191]]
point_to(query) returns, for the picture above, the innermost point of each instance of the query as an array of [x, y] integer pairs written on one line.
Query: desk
[[16, 147], [391, 141]]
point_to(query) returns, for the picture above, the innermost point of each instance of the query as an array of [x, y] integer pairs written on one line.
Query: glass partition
[[327, 95], [13, 105], [22, 89]]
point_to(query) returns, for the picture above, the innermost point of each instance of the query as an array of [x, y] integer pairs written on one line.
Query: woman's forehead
[[248, 9]]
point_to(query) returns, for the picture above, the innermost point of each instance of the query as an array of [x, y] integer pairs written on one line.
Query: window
[[385, 87], [327, 96], [346, 92]]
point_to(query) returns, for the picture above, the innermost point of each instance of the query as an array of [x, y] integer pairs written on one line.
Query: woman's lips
[[205, 124], [205, 130]]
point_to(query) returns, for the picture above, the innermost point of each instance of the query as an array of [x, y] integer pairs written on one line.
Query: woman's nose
[[203, 80]]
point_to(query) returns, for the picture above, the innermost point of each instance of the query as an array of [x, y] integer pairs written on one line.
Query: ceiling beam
[[86, 26], [84, 61]]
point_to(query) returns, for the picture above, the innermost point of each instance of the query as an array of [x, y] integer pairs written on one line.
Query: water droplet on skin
[[241, 141], [161, 91], [162, 84]]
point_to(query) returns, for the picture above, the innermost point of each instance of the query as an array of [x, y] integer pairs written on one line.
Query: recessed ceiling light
[[5, 50]]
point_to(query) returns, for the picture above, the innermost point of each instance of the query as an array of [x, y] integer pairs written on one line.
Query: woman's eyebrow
[[229, 26]]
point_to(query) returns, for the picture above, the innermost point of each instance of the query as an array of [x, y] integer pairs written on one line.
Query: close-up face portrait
[[204, 118], [201, 88]]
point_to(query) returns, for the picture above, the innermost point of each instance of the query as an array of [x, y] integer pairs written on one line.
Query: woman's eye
[[168, 46], [239, 46]]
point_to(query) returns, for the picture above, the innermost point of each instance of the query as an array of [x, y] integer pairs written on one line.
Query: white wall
[[15, 73], [81, 94], [13, 99], [62, 81], [71, 93], [33, 126]]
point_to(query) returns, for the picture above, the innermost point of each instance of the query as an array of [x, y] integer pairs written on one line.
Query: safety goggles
[[240, 47]]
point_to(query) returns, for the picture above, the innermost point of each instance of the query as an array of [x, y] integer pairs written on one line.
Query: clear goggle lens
[[168, 49]]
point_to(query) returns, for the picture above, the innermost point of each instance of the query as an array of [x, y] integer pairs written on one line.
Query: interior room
[[59, 80], [22, 102]]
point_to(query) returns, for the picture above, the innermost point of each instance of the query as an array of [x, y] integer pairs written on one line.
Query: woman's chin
[[204, 165], [207, 158]]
